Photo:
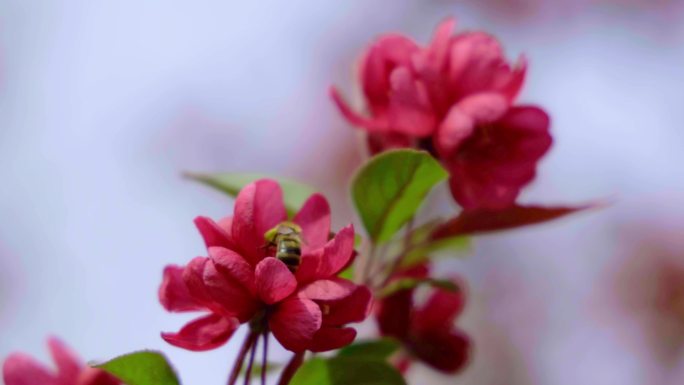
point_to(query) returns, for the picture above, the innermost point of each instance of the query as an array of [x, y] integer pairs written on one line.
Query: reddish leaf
[[486, 220]]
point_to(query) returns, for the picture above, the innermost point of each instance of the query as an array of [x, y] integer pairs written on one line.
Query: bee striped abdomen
[[289, 252]]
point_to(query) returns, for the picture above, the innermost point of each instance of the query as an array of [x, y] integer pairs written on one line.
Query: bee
[[287, 240]]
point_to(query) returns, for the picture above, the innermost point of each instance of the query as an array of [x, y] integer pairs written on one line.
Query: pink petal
[[232, 298], [174, 294], [204, 333], [440, 310], [517, 78], [354, 118], [295, 322], [328, 289], [92, 376], [314, 219], [394, 314], [455, 128], [234, 266], [410, 111], [328, 260], [328, 338], [440, 41], [381, 142], [68, 365], [274, 281], [353, 308], [387, 53], [446, 351], [21, 369], [478, 109], [258, 208], [193, 277], [499, 159], [477, 64], [213, 233]]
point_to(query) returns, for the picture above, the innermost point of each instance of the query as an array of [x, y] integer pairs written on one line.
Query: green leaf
[[388, 190], [141, 368], [346, 371], [412, 283], [294, 193], [371, 350]]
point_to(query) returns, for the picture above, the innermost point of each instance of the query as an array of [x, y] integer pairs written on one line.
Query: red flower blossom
[[427, 332], [21, 369], [242, 282], [453, 98]]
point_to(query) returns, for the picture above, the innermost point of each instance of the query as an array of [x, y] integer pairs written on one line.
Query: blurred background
[[104, 103]]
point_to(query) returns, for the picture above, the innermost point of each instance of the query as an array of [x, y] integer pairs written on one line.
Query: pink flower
[[454, 99], [427, 332], [21, 369], [240, 281]]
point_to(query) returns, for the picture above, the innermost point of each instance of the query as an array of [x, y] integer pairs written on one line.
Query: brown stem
[[368, 263], [291, 368], [250, 363], [246, 346], [400, 258], [264, 358]]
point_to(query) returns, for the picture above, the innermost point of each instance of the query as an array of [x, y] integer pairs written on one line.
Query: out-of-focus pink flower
[[426, 331], [453, 98], [21, 369], [240, 281]]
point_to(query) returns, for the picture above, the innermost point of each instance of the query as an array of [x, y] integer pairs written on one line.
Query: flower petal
[[274, 281], [440, 310], [387, 53], [477, 109], [314, 219], [295, 322], [327, 338], [517, 78], [328, 289], [68, 365], [456, 127], [174, 294], [394, 314], [231, 298], [353, 308], [354, 118], [92, 376], [204, 333], [477, 64], [22, 369], [193, 277], [441, 38], [234, 266], [328, 260], [499, 159], [213, 233], [410, 111], [445, 351], [380, 142], [258, 208]]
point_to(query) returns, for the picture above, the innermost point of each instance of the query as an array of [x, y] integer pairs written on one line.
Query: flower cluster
[[21, 369], [427, 331], [241, 282], [456, 99]]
